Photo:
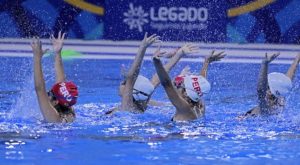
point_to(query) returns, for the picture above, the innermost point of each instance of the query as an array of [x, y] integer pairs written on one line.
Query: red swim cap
[[66, 93], [178, 81]]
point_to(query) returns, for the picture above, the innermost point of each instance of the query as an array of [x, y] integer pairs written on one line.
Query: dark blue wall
[[267, 21]]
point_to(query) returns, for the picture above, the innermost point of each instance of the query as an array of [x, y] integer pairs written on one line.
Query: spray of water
[[26, 106]]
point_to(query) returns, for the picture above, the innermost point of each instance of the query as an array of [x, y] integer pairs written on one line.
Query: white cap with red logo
[[196, 86]]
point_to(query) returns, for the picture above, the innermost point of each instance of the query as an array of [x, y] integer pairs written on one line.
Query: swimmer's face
[[183, 93], [197, 107], [270, 96], [141, 102], [274, 100]]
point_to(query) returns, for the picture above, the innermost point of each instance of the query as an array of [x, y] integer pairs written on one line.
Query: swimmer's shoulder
[[254, 112], [113, 110], [68, 117]]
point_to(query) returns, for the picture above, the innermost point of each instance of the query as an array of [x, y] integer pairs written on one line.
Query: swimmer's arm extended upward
[[262, 85], [184, 50], [57, 44], [135, 69], [48, 111], [292, 70], [211, 58], [182, 107]]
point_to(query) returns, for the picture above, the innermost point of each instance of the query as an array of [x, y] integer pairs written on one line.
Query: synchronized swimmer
[[272, 88], [136, 90], [185, 91], [56, 104]]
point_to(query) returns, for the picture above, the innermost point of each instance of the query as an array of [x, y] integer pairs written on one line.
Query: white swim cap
[[279, 83], [195, 86], [142, 88]]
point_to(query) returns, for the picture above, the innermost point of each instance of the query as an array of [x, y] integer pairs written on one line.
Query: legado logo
[[182, 14], [185, 18], [63, 90]]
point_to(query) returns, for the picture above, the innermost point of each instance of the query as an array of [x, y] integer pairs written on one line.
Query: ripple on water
[[218, 137]]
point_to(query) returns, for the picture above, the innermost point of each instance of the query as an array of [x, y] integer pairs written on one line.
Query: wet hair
[[186, 97], [64, 110], [140, 104], [61, 109], [274, 100]]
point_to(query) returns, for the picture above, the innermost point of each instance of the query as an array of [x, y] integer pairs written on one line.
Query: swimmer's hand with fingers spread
[[36, 46], [57, 44], [209, 59], [215, 56], [186, 49], [269, 58], [158, 53], [148, 41]]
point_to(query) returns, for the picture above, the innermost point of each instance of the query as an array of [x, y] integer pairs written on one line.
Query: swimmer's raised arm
[[262, 85], [211, 58], [57, 44], [182, 107], [48, 111], [292, 70], [135, 68], [184, 50]]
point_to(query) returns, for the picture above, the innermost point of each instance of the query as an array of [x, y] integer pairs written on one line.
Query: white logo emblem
[[136, 17]]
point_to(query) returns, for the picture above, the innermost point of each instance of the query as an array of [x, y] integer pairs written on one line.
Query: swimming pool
[[149, 138]]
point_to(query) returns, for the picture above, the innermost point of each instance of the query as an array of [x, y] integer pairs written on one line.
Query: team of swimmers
[[185, 91]]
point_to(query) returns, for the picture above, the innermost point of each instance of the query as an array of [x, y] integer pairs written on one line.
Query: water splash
[[26, 106]]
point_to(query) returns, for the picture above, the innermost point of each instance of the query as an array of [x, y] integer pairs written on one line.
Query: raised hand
[[158, 53], [186, 71], [36, 46], [57, 43], [148, 41], [188, 49], [215, 56], [270, 58]]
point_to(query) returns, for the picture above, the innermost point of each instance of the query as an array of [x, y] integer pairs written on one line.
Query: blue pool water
[[149, 138]]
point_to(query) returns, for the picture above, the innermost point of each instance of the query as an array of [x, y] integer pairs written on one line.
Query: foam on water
[[26, 106], [219, 136]]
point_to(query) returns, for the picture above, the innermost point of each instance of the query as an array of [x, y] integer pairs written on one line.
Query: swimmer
[[55, 105], [272, 88], [186, 91], [136, 90]]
